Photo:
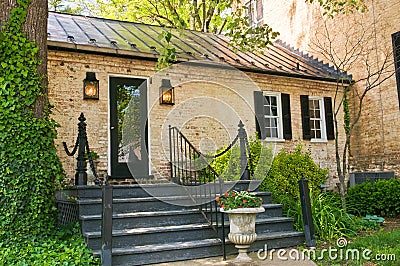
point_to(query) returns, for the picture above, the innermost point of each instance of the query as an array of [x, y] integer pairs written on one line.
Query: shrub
[[287, 169], [228, 164], [380, 198]]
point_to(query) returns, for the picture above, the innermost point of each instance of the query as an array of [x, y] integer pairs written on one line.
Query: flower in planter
[[234, 200]]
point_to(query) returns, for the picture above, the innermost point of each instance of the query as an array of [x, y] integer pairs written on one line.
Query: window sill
[[319, 140], [274, 140]]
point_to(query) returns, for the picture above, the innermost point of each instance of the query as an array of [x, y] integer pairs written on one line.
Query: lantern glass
[[167, 92], [90, 86]]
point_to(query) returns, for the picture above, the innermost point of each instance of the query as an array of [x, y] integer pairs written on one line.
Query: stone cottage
[[213, 89]]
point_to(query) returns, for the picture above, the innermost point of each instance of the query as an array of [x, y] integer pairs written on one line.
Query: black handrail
[[189, 167]]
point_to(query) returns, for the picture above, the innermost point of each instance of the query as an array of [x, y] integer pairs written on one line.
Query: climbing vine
[[29, 166]]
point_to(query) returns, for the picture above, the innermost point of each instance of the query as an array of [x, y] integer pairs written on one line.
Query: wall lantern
[[90, 86], [167, 92]]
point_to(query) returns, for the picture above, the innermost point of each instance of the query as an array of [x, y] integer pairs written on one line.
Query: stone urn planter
[[243, 230]]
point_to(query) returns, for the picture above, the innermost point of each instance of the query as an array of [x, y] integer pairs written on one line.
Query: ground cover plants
[[61, 246]]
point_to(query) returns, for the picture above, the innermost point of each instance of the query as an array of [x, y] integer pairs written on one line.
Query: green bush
[[228, 164], [63, 246], [287, 169], [380, 198]]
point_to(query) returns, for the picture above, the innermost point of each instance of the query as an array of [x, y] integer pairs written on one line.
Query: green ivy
[[61, 246], [29, 166]]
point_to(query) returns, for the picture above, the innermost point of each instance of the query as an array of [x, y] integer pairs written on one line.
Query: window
[[396, 54], [272, 116], [273, 121], [254, 12], [317, 118], [317, 124]]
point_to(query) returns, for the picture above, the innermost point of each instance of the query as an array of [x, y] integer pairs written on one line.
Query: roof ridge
[[316, 61]]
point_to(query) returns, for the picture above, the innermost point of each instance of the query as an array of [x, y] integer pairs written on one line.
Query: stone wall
[[209, 102]]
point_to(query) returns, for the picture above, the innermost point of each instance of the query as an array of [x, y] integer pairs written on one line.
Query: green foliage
[[287, 169], [383, 243], [380, 198], [333, 7], [29, 166], [234, 199], [62, 246], [330, 220], [228, 164]]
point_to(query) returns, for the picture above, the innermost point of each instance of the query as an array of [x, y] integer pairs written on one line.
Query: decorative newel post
[[244, 170], [81, 174], [82, 146]]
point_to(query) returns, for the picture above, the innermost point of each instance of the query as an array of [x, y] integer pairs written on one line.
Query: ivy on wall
[[29, 167]]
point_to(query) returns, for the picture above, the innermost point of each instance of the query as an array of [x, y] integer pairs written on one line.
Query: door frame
[[148, 80]]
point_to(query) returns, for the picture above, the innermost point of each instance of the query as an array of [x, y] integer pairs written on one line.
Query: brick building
[[214, 89], [374, 144]]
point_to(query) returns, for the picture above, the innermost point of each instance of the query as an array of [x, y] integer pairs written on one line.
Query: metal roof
[[90, 34]]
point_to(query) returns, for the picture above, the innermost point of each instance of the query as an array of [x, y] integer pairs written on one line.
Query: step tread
[[150, 230], [133, 199], [141, 214], [269, 220], [163, 247], [273, 235]]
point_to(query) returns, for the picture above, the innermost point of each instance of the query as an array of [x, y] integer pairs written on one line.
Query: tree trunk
[[35, 28]]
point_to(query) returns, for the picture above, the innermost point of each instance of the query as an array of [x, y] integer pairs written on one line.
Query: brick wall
[[209, 102], [375, 142]]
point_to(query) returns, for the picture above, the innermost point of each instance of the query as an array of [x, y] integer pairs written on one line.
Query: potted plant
[[242, 208]]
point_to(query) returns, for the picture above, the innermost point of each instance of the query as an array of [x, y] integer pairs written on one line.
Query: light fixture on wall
[[167, 92], [90, 86]]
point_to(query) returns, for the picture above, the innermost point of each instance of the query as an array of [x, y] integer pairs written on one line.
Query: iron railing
[[192, 169], [82, 146]]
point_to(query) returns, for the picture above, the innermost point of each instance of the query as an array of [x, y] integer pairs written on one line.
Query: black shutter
[[286, 117], [330, 129], [305, 117], [396, 54], [259, 110]]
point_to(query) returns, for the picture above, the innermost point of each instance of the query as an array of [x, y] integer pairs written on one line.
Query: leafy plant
[[29, 166], [330, 220], [287, 169], [61, 246], [228, 164], [234, 199], [380, 198]]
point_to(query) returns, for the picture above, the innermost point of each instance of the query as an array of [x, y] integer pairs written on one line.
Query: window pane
[[267, 122], [274, 111], [317, 124], [274, 133], [318, 134], [274, 122]]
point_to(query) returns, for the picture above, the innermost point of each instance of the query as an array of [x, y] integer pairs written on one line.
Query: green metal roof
[[90, 34]]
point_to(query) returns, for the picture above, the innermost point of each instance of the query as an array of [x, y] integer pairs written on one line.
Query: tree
[[348, 43], [64, 6], [35, 27], [29, 166], [229, 17]]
